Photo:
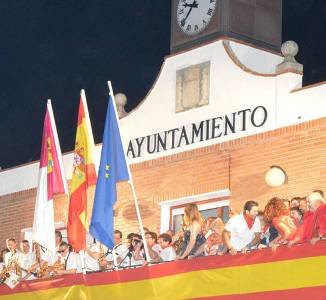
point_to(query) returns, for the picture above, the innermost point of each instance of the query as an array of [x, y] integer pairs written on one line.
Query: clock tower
[[257, 22]]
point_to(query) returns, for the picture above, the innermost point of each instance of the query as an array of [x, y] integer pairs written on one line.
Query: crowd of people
[[282, 222]]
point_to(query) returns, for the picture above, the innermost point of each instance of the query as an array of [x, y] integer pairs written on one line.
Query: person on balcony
[[242, 232], [14, 255], [193, 236], [70, 261], [28, 260], [277, 214], [303, 205], [318, 224], [166, 252], [295, 202], [297, 214], [136, 251], [115, 256], [152, 245], [214, 244]]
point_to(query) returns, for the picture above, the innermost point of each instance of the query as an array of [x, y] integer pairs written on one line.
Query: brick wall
[[238, 165], [17, 212]]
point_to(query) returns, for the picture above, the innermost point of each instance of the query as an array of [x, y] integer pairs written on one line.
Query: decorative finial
[[121, 101], [289, 50]]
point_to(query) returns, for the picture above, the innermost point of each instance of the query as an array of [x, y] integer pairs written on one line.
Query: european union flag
[[113, 168]]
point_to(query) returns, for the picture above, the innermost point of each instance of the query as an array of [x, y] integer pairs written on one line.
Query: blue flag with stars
[[113, 168]]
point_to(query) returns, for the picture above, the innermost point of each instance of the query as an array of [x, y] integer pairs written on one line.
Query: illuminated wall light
[[276, 176]]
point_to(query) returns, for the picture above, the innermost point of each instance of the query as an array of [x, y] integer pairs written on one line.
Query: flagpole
[[87, 118], [90, 129], [131, 183], [56, 140]]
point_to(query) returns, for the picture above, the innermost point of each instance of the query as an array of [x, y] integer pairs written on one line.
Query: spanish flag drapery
[[83, 176], [297, 273]]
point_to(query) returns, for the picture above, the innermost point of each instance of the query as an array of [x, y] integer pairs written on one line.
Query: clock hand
[[193, 5]]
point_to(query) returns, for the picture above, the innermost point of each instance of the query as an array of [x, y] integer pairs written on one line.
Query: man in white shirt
[[242, 231], [118, 252], [48, 256], [70, 259], [152, 245], [27, 260], [12, 262], [13, 255], [167, 252], [92, 256]]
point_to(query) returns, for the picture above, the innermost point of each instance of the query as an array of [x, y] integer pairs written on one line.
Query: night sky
[[52, 49]]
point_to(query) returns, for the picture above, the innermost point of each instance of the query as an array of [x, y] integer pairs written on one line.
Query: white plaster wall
[[231, 89], [255, 59], [301, 105]]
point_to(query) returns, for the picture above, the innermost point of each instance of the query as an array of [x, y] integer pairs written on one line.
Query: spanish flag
[[83, 176], [51, 181]]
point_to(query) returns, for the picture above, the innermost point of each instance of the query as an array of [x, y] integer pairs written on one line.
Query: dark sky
[[52, 49]]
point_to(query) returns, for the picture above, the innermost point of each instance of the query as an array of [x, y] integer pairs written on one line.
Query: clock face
[[194, 15]]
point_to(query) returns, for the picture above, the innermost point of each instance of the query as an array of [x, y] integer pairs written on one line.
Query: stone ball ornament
[[120, 99], [289, 48]]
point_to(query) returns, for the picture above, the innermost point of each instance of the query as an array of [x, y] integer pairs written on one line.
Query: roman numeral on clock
[[210, 12], [181, 11]]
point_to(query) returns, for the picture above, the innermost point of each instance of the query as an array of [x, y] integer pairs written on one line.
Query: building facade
[[220, 113]]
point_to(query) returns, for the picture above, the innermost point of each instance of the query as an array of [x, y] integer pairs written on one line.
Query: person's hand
[[274, 247], [313, 241], [261, 246], [31, 269], [60, 272], [103, 263], [233, 251], [244, 250], [138, 245], [290, 244], [179, 257]]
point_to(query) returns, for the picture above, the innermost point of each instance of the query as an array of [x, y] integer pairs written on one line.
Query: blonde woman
[[214, 240], [193, 236]]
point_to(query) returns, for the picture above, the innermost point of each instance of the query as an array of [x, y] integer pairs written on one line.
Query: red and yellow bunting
[[296, 273]]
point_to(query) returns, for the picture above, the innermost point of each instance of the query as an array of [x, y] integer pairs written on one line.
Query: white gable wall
[[231, 89]]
